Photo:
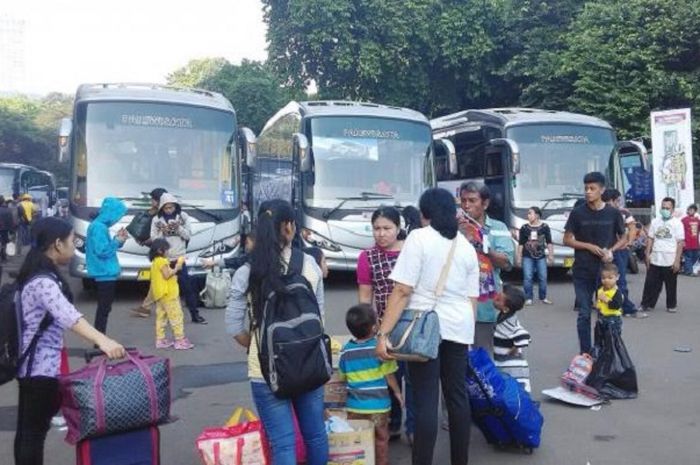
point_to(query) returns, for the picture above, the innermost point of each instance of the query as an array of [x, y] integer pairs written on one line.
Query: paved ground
[[661, 426]]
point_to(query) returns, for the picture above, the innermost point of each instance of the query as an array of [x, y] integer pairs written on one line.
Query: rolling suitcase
[[501, 408], [138, 447]]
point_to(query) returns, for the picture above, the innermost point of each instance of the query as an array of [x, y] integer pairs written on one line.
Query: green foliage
[[252, 88], [28, 131]]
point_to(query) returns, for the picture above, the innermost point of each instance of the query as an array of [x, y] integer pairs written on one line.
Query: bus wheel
[[89, 284]]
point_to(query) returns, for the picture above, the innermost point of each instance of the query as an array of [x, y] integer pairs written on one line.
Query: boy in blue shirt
[[368, 378]]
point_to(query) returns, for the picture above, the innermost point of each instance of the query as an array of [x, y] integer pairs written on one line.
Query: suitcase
[[138, 447], [501, 408]]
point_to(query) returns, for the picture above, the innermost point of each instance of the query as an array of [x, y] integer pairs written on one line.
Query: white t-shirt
[[666, 235], [419, 265]]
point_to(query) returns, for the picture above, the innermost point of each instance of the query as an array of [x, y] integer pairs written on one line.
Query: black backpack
[[294, 352], [11, 327]]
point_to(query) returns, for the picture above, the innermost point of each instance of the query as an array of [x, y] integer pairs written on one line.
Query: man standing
[[691, 248], [595, 231], [495, 251], [663, 257], [621, 257]]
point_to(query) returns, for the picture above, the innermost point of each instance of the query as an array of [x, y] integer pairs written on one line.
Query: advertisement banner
[[672, 157]]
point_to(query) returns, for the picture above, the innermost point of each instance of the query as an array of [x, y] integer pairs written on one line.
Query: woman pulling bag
[[437, 271]]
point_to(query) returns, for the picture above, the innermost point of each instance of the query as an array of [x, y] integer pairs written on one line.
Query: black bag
[[613, 374], [140, 226], [11, 327], [294, 352]]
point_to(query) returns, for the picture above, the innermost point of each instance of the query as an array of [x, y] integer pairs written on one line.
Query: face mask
[[665, 213]]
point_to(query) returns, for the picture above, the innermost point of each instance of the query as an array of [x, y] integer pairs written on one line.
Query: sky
[[69, 42]]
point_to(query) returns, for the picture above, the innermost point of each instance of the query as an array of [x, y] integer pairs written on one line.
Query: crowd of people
[[441, 257]]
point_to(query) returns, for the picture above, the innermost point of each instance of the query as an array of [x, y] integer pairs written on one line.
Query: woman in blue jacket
[[101, 256]]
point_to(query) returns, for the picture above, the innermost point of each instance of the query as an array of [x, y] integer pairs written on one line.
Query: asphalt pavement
[[660, 427]]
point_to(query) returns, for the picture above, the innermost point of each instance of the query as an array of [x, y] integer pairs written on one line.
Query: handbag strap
[[440, 287]]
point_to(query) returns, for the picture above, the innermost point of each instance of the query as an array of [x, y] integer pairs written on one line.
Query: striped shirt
[[364, 374], [509, 340]]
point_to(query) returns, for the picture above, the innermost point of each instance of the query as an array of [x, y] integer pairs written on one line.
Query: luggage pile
[[113, 410]]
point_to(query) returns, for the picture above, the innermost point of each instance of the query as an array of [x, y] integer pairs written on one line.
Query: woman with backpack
[[47, 312], [438, 271], [270, 261]]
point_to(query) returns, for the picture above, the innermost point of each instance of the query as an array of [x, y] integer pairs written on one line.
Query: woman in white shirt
[[416, 276]]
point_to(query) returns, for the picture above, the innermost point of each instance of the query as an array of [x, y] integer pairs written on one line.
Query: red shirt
[[691, 225]]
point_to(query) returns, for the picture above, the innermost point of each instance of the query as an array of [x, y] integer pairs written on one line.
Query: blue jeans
[[530, 266], [621, 259], [276, 415], [689, 259], [585, 288]]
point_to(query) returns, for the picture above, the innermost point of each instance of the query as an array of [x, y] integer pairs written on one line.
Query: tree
[[254, 90]]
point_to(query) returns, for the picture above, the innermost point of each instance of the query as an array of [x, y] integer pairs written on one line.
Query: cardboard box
[[335, 393], [353, 448]]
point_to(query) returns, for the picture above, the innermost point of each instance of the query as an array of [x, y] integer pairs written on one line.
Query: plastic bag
[[237, 443], [613, 374]]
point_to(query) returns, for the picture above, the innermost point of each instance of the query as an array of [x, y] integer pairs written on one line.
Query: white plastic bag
[[216, 288]]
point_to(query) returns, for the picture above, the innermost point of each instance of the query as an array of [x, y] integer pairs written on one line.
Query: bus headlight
[[222, 247], [79, 243], [318, 240]]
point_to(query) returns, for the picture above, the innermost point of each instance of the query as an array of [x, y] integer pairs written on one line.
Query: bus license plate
[[568, 262], [144, 275]]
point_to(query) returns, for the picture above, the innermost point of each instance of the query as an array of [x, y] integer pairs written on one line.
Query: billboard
[[673, 157]]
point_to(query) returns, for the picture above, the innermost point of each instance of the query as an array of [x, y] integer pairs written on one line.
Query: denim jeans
[[690, 257], [530, 266], [276, 415], [396, 411], [585, 288], [621, 259]]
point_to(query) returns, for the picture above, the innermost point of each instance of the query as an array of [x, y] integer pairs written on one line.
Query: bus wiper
[[364, 197], [563, 196]]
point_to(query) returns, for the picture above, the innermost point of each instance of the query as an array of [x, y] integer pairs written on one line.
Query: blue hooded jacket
[[100, 248]]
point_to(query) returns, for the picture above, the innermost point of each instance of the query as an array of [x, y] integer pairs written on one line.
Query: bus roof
[[144, 92], [348, 108], [514, 116]]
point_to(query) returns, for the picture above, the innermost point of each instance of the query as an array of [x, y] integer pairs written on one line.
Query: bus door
[[502, 164], [631, 174]]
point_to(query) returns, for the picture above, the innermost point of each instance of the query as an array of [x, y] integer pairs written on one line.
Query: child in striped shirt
[[510, 338], [368, 378]]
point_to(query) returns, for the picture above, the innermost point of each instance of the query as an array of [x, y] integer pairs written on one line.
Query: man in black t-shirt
[[595, 231]]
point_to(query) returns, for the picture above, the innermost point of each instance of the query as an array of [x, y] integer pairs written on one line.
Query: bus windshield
[[125, 149], [357, 156], [7, 178], [553, 161]]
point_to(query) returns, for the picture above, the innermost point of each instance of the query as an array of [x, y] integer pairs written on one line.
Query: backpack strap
[[296, 262]]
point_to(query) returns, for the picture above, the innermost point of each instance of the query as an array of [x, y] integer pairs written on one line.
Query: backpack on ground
[[216, 287], [11, 326], [294, 352]]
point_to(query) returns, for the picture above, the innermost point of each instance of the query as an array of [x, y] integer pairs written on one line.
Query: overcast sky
[[69, 42]]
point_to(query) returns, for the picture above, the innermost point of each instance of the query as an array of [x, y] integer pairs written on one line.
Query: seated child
[[609, 299], [166, 295], [368, 378], [510, 337]]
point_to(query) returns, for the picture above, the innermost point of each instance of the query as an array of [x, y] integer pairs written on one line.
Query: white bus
[[126, 139], [336, 162], [530, 157]]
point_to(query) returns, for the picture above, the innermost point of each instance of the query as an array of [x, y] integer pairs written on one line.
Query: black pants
[[38, 402], [657, 276], [187, 291], [105, 298], [450, 370], [4, 239]]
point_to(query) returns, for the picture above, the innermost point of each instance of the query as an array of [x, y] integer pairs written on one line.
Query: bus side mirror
[[300, 146], [64, 132], [247, 143], [635, 146], [514, 150], [447, 147]]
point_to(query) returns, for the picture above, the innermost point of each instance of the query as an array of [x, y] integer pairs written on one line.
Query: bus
[[532, 157], [336, 162], [126, 139], [17, 179]]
